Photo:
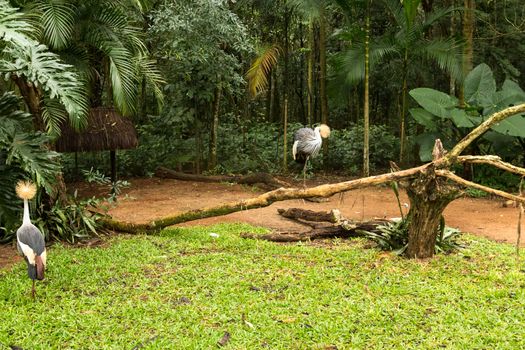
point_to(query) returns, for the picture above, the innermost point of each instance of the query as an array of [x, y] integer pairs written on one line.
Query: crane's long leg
[[304, 171], [33, 290]]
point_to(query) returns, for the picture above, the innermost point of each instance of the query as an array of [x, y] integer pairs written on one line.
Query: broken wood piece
[[268, 182], [333, 216]]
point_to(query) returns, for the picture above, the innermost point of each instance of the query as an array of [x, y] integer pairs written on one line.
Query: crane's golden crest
[[25, 189], [324, 130]]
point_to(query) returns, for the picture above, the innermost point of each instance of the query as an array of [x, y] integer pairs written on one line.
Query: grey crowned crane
[[307, 144], [30, 241]]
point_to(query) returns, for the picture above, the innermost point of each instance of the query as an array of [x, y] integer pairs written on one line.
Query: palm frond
[[57, 79], [260, 69], [53, 114], [351, 62], [123, 76], [154, 80], [13, 26], [58, 21], [447, 54]]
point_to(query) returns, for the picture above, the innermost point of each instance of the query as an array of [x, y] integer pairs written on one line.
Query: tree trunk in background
[[402, 117], [285, 136], [212, 158], [32, 96], [468, 57], [310, 79], [269, 99], [198, 146], [286, 87], [366, 123], [322, 75], [452, 86], [468, 36]]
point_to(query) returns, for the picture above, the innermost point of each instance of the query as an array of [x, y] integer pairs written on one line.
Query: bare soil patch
[[153, 198]]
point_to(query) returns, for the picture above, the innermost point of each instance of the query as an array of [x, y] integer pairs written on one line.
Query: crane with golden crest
[[30, 241], [307, 144]]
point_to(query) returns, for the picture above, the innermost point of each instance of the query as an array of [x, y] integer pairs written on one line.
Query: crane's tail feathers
[[294, 149], [25, 189], [39, 268]]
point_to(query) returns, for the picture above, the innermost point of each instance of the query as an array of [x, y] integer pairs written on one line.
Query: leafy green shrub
[[22, 156], [393, 236], [490, 176], [346, 148], [70, 222]]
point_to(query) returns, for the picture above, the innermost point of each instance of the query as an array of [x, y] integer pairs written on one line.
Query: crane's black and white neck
[[30, 241]]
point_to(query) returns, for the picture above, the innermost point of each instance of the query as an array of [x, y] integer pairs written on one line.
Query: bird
[[307, 144], [30, 241]]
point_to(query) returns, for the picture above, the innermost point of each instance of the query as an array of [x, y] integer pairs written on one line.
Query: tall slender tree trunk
[[285, 136], [468, 36], [212, 158], [452, 82], [402, 117], [286, 88], [366, 117], [322, 75], [310, 74]]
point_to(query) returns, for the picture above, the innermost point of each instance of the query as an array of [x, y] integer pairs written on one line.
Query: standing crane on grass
[[30, 241], [307, 144]]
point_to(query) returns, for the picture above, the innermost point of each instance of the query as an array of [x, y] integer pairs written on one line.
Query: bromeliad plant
[[393, 236]]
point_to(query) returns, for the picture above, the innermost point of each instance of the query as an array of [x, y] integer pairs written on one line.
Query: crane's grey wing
[[306, 142], [304, 134], [30, 241]]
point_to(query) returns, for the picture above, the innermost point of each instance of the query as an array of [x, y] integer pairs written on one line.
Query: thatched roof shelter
[[107, 130]]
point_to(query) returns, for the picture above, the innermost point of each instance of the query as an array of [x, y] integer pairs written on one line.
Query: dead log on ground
[[263, 180], [335, 226]]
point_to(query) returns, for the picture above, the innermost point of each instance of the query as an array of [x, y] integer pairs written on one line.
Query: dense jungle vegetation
[[212, 86]]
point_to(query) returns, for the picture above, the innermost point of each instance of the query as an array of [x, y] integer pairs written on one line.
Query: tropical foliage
[[444, 118], [184, 71]]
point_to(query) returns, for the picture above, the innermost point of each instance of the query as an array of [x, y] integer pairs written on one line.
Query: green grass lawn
[[184, 289]]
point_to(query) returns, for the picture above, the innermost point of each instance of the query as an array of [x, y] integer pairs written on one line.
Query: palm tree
[[100, 40], [51, 89], [409, 46]]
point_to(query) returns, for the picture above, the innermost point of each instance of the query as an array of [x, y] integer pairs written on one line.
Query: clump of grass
[[186, 288]]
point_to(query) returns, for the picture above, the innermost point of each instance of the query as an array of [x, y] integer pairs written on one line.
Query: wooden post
[[113, 161]]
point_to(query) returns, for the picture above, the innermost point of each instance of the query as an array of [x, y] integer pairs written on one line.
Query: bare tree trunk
[[322, 75], [402, 117], [285, 134], [32, 97], [366, 116], [212, 162], [310, 78], [468, 35], [429, 196]]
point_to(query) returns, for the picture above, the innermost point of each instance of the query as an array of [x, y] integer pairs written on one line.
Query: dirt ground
[[148, 199]]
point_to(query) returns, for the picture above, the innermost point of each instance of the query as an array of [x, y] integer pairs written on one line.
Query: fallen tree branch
[[450, 175], [263, 200], [494, 161], [481, 129], [268, 181], [333, 216], [340, 228]]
